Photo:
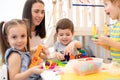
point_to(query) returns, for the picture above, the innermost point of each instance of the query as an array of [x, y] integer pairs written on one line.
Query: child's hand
[[102, 40], [45, 50], [69, 48], [37, 69], [59, 56]]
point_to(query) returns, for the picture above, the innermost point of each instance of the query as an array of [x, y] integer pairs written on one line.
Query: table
[[97, 76], [104, 74], [69, 74]]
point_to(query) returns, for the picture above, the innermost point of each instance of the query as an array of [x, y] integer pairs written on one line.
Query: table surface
[[68, 74], [96, 76], [103, 74]]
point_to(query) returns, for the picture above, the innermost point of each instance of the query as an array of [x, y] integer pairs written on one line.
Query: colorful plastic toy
[[81, 54], [106, 29], [36, 58], [94, 32], [49, 64], [68, 57], [95, 36]]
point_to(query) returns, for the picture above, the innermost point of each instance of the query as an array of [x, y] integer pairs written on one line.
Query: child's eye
[[61, 34], [68, 34], [14, 37], [105, 4], [23, 36]]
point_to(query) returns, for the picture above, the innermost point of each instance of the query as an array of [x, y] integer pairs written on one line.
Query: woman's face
[[38, 13]]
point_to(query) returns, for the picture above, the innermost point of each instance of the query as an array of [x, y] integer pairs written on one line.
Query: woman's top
[[35, 41]]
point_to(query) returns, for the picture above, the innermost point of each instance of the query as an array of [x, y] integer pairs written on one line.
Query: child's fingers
[[59, 56]]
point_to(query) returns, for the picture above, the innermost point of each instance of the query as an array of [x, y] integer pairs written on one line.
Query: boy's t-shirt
[[115, 35], [60, 48]]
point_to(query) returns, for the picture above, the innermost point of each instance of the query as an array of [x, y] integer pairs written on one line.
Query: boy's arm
[[114, 44], [106, 47], [107, 42], [70, 47], [77, 44]]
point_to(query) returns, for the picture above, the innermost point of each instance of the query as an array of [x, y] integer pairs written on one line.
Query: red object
[[53, 64], [41, 67], [87, 59], [104, 68]]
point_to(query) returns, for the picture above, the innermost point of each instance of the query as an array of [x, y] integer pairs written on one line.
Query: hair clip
[[3, 27]]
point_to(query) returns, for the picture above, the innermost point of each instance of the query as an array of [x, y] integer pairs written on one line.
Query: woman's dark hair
[[40, 29]]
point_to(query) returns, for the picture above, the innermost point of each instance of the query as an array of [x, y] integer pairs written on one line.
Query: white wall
[[10, 9]]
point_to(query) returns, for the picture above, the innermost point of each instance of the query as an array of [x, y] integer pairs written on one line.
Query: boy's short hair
[[65, 23]]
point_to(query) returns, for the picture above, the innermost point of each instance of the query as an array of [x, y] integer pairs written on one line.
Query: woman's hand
[[45, 50]]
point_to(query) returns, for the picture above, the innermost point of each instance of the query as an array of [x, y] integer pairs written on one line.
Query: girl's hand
[[37, 69]]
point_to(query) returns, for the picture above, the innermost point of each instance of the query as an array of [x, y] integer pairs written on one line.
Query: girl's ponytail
[[2, 42]]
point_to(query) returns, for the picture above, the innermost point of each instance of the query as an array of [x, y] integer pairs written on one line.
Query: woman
[[35, 13]]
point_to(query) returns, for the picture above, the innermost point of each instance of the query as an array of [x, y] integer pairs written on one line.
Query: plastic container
[[87, 65]]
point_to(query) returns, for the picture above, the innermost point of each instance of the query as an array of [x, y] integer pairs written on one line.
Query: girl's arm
[[14, 61]]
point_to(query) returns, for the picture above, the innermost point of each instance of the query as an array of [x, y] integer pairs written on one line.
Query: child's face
[[64, 36], [112, 9], [17, 37]]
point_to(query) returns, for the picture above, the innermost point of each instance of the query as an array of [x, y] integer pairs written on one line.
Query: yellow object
[[96, 76], [94, 30], [50, 62], [105, 29], [36, 58]]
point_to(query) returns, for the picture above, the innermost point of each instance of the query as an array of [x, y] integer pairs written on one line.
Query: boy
[[65, 45]]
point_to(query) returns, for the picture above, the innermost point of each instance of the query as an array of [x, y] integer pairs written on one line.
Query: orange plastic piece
[[72, 56], [36, 58]]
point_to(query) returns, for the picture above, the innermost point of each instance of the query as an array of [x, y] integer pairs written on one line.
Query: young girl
[[14, 45], [65, 43], [112, 8]]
